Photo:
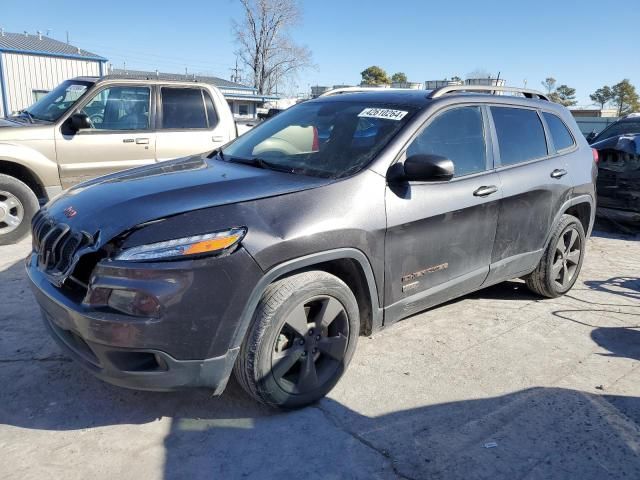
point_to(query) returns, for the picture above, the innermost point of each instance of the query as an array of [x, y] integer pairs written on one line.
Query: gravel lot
[[499, 384]]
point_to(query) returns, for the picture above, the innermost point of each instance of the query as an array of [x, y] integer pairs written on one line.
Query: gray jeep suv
[[333, 219]]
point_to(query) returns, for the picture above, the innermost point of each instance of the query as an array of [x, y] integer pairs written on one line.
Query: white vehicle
[[90, 126]]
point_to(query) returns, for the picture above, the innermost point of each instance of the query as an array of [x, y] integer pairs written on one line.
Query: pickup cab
[[89, 126]]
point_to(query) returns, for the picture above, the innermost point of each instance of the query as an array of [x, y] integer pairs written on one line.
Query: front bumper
[[189, 345]]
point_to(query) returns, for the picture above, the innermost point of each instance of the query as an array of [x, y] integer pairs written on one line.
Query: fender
[[303, 262], [44, 170], [565, 206]]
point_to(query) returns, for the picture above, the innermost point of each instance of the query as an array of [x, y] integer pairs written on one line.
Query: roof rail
[[491, 89], [337, 91]]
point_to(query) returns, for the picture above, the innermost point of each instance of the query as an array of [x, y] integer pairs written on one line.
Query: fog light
[[135, 303]]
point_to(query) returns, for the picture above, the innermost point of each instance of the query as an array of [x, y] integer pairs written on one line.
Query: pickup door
[[121, 134], [188, 123]]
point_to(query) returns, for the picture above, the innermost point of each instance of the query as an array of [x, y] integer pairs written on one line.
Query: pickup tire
[[18, 204], [562, 260], [303, 335]]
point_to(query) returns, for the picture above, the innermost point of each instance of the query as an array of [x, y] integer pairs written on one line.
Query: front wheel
[[562, 260], [303, 336], [18, 204]]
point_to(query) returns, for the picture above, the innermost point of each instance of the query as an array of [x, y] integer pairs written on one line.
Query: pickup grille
[[56, 244]]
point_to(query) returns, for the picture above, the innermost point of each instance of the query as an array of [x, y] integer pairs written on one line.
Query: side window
[[561, 136], [457, 134], [520, 134], [183, 108], [212, 117], [119, 108]]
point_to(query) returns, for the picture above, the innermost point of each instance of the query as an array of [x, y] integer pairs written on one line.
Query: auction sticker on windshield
[[384, 113]]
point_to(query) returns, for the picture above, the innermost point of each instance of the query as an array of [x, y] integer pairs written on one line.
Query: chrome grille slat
[[57, 246]]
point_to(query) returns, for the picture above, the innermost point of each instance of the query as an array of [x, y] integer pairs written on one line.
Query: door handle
[[217, 138], [485, 191], [142, 141], [558, 173]]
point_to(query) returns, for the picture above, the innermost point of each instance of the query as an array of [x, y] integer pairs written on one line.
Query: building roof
[[42, 45], [144, 75]]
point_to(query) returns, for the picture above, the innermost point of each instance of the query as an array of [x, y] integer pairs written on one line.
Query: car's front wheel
[[303, 335], [562, 260], [18, 204]]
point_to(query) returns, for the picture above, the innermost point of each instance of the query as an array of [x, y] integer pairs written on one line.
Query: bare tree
[[265, 45]]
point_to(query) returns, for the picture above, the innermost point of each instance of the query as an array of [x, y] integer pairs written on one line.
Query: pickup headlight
[[210, 243]]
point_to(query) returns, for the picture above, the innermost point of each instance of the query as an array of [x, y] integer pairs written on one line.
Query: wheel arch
[[25, 175], [581, 207], [350, 265]]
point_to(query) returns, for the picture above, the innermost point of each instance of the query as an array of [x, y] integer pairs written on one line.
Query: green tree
[[375, 75], [602, 96], [399, 77], [549, 84], [625, 97], [565, 95]]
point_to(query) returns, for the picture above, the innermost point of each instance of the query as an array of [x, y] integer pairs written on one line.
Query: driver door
[[440, 234], [120, 135]]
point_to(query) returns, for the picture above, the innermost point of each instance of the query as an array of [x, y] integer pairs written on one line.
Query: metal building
[[32, 65]]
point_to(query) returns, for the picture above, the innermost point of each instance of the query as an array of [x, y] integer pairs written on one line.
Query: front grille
[[56, 244]]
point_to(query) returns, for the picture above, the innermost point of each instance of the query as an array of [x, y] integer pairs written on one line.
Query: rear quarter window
[[562, 138], [520, 135]]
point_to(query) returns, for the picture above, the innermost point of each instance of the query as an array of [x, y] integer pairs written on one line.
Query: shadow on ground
[[538, 433]]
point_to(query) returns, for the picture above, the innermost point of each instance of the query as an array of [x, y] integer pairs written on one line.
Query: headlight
[[216, 242]]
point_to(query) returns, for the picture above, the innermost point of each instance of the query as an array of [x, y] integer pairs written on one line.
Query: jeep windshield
[[55, 103], [328, 138]]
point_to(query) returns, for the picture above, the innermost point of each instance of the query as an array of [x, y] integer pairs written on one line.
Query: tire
[[562, 260], [273, 364], [17, 201]]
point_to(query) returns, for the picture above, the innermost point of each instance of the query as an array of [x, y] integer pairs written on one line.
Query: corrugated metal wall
[[25, 73]]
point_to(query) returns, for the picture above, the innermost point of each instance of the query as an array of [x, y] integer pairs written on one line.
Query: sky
[[577, 42]]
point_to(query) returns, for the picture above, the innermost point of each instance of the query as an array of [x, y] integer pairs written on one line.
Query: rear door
[[189, 123], [440, 234], [120, 136], [535, 183]]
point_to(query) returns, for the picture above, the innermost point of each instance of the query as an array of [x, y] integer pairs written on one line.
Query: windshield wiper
[[27, 113], [262, 163]]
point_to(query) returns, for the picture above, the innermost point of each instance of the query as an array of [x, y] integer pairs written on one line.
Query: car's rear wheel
[[560, 265], [18, 204], [303, 336]]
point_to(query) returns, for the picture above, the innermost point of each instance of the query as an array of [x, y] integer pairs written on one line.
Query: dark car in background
[[618, 183], [333, 219]]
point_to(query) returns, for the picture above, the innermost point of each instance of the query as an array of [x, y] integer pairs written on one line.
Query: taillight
[[315, 147], [596, 155]]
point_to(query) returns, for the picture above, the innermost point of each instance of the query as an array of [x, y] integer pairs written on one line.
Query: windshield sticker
[[384, 113]]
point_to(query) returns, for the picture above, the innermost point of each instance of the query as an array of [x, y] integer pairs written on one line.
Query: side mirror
[[79, 121], [591, 136], [423, 168]]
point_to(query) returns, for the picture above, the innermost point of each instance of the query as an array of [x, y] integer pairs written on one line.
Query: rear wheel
[[18, 204], [560, 265], [302, 338]]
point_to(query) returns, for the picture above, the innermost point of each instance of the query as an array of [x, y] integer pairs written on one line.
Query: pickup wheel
[[303, 335], [561, 262], [18, 204]]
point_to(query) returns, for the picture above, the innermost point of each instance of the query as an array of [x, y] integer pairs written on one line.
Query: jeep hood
[[109, 205], [12, 130]]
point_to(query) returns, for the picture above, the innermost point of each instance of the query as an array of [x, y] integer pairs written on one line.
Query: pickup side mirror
[[79, 121], [422, 168], [591, 136]]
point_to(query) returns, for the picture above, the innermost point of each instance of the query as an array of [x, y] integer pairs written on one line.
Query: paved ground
[[554, 383]]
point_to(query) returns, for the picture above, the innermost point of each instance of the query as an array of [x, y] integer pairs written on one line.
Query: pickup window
[[187, 108]]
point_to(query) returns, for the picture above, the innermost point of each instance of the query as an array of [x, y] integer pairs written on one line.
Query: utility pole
[[235, 77]]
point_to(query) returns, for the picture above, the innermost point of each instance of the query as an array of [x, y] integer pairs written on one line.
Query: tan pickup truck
[[90, 126]]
